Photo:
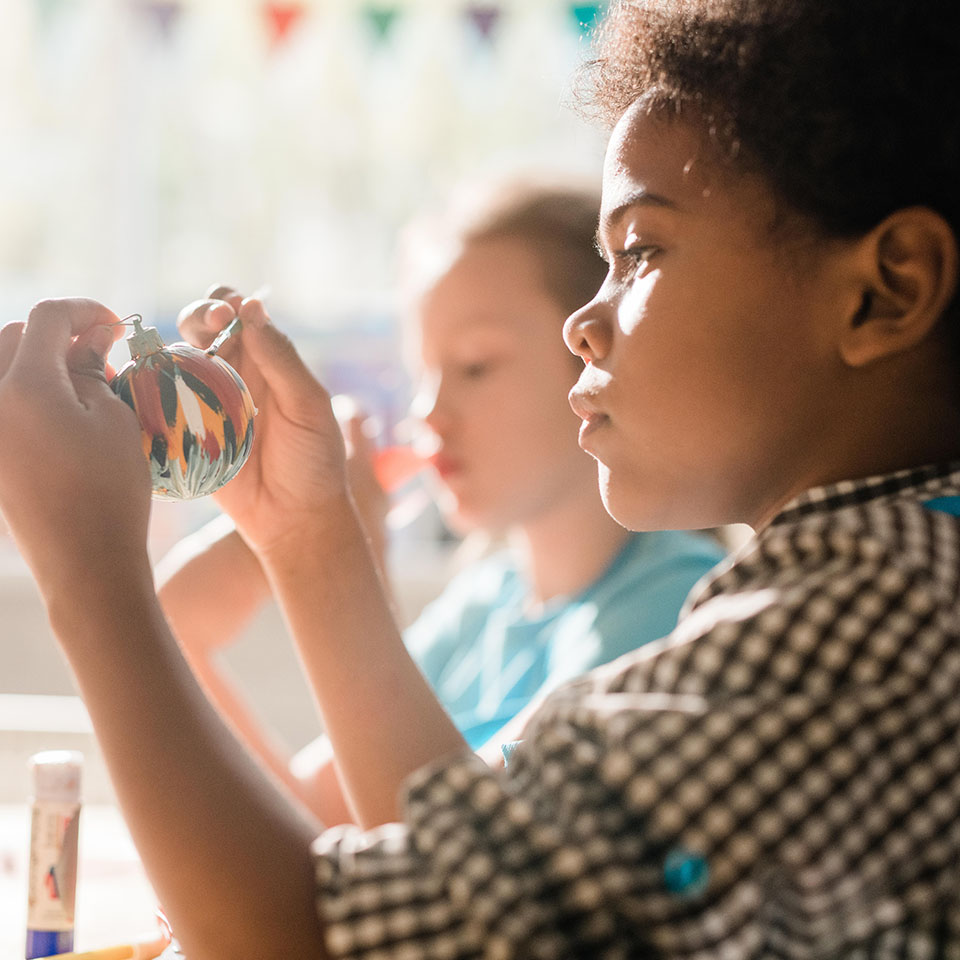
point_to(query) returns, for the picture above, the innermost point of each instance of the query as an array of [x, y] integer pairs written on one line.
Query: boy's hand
[[369, 497], [296, 468], [74, 483]]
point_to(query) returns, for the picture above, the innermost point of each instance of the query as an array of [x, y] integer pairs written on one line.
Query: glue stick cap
[[56, 775]]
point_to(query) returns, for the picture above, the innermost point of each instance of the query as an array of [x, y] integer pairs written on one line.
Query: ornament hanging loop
[[144, 340], [130, 321], [145, 343]]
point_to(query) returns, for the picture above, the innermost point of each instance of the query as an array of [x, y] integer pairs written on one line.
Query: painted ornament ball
[[195, 412]]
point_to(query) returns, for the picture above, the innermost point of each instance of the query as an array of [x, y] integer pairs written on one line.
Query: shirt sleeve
[[481, 868], [778, 777], [597, 841]]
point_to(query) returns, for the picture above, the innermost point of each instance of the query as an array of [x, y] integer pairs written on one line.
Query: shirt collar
[[917, 483]]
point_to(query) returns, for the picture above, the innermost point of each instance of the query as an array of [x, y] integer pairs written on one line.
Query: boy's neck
[[882, 434], [565, 549]]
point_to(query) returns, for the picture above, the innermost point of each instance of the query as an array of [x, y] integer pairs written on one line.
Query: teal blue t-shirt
[[487, 659]]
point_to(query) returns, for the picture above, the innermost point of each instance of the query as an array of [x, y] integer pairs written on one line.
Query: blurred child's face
[[710, 368], [492, 389]]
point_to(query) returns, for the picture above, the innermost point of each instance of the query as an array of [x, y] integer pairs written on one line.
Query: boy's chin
[[623, 505], [462, 517], [639, 510]]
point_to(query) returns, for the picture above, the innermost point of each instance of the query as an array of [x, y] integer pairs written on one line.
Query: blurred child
[[774, 342], [487, 286]]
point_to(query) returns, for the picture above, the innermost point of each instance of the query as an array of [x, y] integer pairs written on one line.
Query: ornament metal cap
[[144, 340]]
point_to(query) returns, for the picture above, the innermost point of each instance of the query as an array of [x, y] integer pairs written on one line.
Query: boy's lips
[[590, 426], [583, 403], [581, 406], [445, 465]]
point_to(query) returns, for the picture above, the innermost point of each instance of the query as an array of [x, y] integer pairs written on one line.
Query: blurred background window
[[149, 145], [149, 148], [152, 147]]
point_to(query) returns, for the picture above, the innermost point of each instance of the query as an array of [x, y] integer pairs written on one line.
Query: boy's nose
[[587, 333], [427, 405]]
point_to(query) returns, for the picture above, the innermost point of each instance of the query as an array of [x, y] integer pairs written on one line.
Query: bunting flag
[[48, 11], [483, 17], [586, 16], [381, 20], [162, 14], [281, 19]]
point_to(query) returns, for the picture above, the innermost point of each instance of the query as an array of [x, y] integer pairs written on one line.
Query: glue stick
[[54, 830]]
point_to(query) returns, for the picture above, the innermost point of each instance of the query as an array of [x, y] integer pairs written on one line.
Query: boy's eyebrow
[[641, 197]]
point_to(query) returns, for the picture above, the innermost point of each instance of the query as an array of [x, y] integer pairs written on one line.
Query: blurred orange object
[[394, 466]]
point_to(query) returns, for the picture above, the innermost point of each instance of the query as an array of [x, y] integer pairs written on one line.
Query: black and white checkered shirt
[[780, 777]]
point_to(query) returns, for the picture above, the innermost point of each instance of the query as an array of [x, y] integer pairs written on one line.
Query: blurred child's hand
[[368, 496], [74, 483], [296, 468]]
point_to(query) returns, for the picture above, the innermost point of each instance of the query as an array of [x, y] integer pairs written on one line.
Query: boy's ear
[[907, 271]]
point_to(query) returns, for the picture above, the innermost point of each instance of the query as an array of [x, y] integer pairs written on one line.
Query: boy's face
[[711, 370], [493, 378]]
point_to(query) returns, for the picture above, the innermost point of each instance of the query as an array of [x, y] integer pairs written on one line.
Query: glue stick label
[[54, 831]]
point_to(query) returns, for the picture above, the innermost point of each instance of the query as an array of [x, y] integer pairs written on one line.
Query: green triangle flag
[[381, 20], [48, 11]]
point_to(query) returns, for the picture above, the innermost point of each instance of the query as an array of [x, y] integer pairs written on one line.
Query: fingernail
[[210, 316], [100, 339]]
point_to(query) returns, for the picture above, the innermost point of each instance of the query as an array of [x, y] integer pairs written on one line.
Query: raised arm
[[292, 505], [74, 489], [210, 585]]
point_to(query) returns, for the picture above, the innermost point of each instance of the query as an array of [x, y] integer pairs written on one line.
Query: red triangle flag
[[281, 18]]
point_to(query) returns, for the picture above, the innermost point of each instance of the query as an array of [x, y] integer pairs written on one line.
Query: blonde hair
[[556, 218]]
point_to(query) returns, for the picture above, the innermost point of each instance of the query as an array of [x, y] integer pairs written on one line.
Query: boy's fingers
[[287, 375], [252, 311], [95, 342], [86, 361], [222, 291], [357, 428], [10, 335], [358, 436], [51, 326], [200, 321], [345, 408]]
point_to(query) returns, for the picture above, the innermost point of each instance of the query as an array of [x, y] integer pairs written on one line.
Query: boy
[[778, 777]]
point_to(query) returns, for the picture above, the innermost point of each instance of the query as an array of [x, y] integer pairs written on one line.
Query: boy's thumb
[[86, 361], [277, 358]]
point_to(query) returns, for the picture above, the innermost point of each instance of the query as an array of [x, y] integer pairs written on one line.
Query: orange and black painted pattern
[[196, 416]]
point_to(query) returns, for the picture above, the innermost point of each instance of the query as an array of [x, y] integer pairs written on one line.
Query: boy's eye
[[639, 255], [475, 370]]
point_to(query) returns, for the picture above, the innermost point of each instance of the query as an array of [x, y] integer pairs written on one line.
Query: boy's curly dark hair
[[845, 106]]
